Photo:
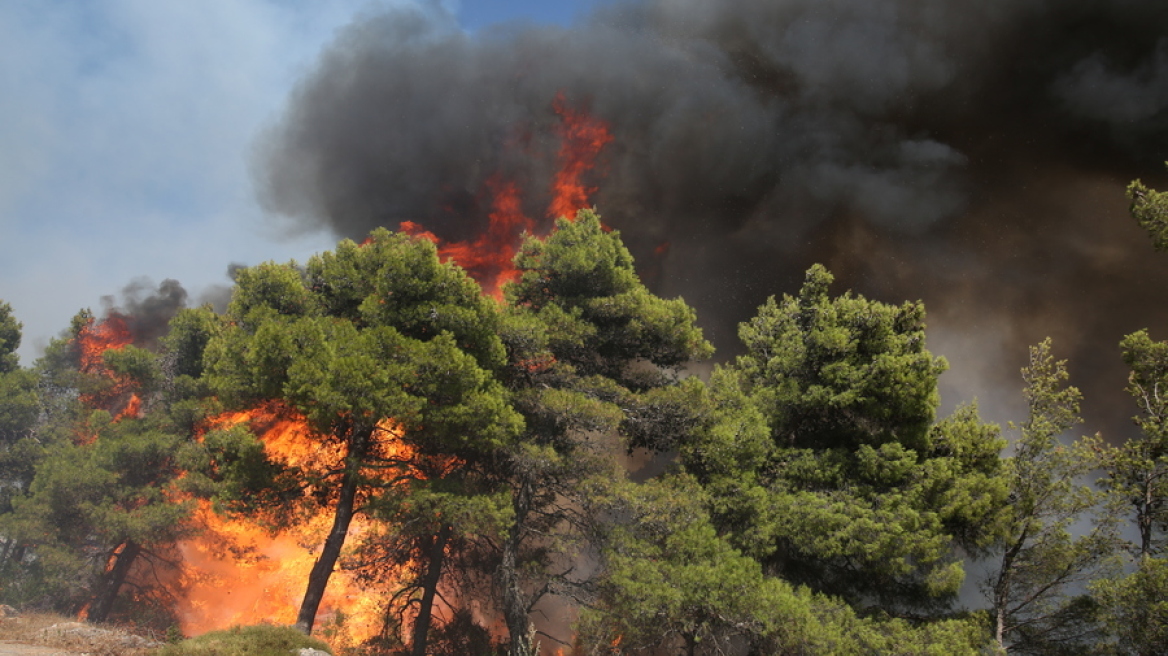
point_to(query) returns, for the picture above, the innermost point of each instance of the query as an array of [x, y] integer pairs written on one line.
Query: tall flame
[[488, 258], [236, 571], [582, 138]]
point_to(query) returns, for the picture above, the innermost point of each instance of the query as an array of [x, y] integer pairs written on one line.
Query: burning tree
[[370, 340], [99, 511]]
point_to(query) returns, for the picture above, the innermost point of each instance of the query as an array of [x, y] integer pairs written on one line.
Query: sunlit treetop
[[843, 371], [9, 339], [1150, 209], [363, 333], [582, 281]]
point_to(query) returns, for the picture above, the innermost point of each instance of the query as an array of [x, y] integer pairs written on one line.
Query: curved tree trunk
[[112, 582], [436, 554], [323, 568]]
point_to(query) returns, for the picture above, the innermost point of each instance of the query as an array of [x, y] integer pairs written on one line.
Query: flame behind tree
[[582, 136], [365, 333], [262, 550], [488, 258], [100, 513]]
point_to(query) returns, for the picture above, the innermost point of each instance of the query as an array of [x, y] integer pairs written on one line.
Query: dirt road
[[21, 649]]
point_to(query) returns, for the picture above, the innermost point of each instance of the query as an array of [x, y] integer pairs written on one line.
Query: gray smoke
[[971, 154], [146, 309]]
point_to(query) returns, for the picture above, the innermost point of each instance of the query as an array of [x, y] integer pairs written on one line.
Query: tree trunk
[[1000, 628], [112, 582], [1144, 516], [323, 568], [436, 554], [514, 604], [16, 555], [8, 544]]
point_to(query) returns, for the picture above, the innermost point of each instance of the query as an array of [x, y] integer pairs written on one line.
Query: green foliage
[[1150, 209], [822, 460], [9, 339], [190, 331], [368, 332], [260, 640], [87, 494], [90, 498], [19, 448], [593, 362], [672, 582], [1137, 471], [1041, 559], [841, 372], [600, 319], [1134, 608], [136, 366], [19, 410]]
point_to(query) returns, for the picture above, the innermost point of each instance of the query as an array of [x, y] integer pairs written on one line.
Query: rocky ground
[[37, 634]]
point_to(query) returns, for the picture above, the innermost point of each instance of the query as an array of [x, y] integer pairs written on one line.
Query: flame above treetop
[[487, 258]]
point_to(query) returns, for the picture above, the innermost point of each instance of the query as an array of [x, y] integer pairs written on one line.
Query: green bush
[[260, 640]]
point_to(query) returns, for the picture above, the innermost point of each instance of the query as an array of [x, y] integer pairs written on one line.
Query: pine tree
[[824, 463], [592, 353], [1040, 560], [368, 333]]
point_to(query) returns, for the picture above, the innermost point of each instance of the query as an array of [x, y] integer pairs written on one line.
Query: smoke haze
[[146, 309], [972, 155]]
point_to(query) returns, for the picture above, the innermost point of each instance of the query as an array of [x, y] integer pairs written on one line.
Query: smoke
[[146, 309], [972, 155]]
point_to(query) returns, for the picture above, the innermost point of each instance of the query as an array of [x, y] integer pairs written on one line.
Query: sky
[[970, 155], [126, 133]]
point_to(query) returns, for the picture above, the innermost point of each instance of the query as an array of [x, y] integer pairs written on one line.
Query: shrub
[[260, 640]]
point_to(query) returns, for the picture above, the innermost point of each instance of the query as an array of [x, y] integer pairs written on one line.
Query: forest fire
[[582, 139], [238, 570], [237, 573], [97, 337], [93, 341], [488, 258]]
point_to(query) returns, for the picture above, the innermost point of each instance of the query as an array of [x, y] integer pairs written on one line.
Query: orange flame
[[93, 341], [95, 338], [237, 572], [488, 258], [582, 139], [133, 408]]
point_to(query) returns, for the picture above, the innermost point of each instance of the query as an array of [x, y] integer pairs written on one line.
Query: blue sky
[[125, 131]]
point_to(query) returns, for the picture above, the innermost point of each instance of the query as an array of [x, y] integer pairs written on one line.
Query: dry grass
[[26, 626], [60, 632]]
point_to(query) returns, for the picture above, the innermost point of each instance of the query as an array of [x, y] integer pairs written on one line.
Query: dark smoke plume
[[146, 310], [971, 154]]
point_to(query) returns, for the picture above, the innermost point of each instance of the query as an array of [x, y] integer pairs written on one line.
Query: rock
[[7, 612], [309, 651]]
